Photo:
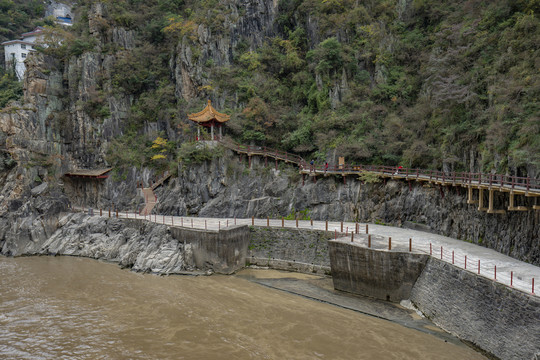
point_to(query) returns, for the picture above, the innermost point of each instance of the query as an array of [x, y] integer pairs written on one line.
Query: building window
[[23, 55], [23, 46]]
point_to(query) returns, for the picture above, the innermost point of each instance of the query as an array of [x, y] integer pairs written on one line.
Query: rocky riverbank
[[141, 246]]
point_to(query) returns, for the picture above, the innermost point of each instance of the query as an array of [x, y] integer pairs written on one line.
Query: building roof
[[208, 114], [88, 173], [36, 31], [12, 42]]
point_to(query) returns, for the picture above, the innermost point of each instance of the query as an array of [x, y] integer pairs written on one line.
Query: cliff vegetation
[[452, 85]]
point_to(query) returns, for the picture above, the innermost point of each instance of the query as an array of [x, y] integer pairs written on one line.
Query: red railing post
[[369, 241], [452, 257], [441, 252], [511, 278], [533, 285], [410, 244], [495, 273], [478, 266], [430, 249], [465, 262]]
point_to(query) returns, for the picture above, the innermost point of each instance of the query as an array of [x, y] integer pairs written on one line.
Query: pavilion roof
[[209, 114]]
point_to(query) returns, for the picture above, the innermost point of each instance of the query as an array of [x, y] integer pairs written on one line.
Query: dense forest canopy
[[420, 83]]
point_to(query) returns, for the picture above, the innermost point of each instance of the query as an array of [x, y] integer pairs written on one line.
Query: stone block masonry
[[290, 249], [380, 274], [502, 321]]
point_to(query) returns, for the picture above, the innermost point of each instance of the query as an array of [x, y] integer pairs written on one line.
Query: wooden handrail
[[492, 180]]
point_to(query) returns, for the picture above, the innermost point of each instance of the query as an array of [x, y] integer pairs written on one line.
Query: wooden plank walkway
[[515, 185]]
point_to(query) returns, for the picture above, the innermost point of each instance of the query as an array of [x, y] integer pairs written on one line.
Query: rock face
[[141, 246], [254, 25], [226, 187]]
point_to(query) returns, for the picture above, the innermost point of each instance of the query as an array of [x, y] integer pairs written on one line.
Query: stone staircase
[[150, 200]]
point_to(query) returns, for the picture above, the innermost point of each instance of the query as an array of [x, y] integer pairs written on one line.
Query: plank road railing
[[452, 178], [262, 151], [448, 178]]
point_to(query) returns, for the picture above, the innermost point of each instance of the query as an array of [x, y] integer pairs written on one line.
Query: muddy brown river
[[75, 308]]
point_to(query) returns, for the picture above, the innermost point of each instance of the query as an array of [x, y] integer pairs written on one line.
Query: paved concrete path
[[509, 271]]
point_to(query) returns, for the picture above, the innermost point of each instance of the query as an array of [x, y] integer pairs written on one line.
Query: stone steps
[[150, 201]]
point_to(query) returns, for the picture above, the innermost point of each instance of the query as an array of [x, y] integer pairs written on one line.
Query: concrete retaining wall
[[290, 249], [380, 274], [222, 251], [497, 319]]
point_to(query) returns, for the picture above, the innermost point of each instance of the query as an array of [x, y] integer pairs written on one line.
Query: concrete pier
[[223, 251], [375, 273]]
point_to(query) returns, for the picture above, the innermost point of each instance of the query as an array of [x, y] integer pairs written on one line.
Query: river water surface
[[75, 308]]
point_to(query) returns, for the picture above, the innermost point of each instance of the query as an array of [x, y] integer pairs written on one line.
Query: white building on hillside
[[16, 51]]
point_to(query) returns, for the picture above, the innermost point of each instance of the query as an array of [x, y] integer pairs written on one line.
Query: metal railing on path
[[509, 272]]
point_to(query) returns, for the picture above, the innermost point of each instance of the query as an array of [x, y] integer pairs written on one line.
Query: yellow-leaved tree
[[160, 145]]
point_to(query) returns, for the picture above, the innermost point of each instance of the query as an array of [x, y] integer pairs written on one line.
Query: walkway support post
[[410, 244], [369, 241], [389, 243]]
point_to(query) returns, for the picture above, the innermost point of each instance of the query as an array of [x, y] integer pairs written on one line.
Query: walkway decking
[[493, 265], [514, 185]]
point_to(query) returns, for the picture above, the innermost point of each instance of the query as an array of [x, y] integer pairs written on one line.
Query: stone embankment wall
[[499, 320], [290, 249]]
